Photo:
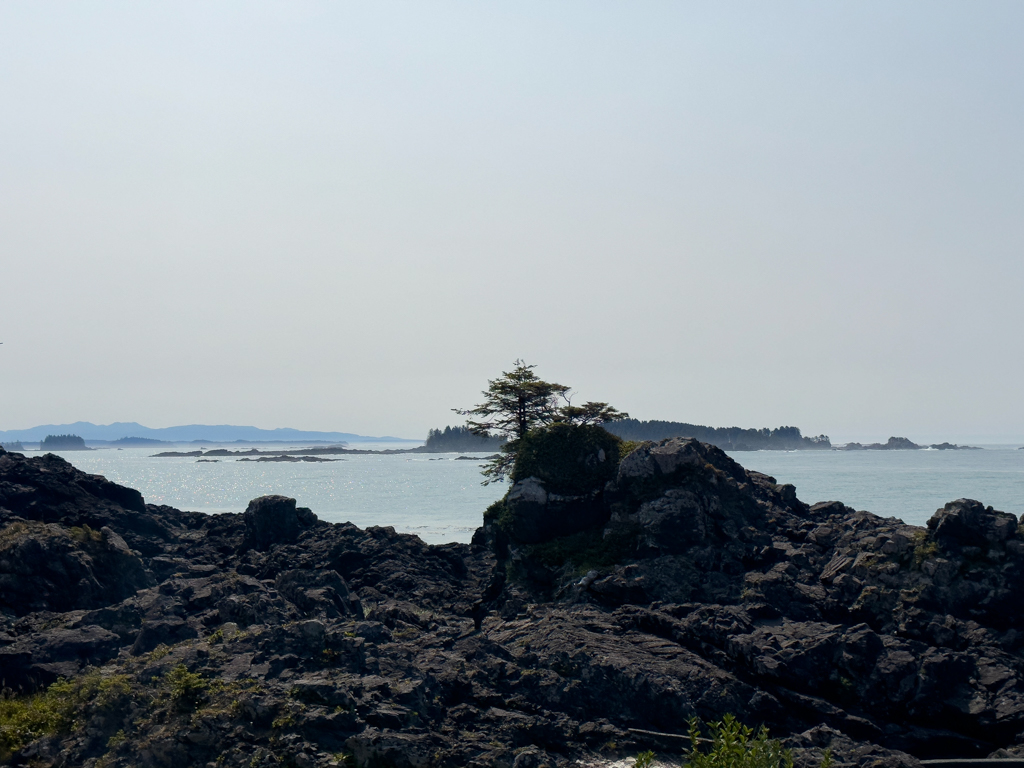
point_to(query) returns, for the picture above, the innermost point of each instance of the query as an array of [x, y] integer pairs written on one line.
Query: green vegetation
[[186, 688], [568, 458], [56, 709], [159, 652], [452, 439], [586, 550], [925, 548], [626, 447], [85, 534], [117, 740], [734, 745], [518, 402], [121, 706], [644, 760], [498, 514]]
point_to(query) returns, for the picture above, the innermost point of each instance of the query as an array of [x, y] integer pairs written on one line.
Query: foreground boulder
[[680, 585], [52, 567], [271, 520]]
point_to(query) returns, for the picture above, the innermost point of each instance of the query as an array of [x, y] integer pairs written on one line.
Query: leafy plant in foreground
[[186, 688], [734, 745], [55, 709]]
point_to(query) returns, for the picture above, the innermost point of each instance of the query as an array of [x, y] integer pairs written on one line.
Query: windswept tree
[[518, 402], [589, 413]]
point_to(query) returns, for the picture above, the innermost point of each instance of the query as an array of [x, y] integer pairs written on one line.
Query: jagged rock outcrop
[[687, 585], [45, 566], [271, 520]]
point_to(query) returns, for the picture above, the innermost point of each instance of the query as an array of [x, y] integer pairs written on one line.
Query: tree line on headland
[[453, 439], [726, 438], [519, 400]]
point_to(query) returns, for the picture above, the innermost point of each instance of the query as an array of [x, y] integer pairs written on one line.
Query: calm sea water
[[432, 495], [440, 499], [909, 485]]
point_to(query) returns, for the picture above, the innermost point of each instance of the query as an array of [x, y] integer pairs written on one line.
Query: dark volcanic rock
[[319, 592], [42, 658], [540, 516], [683, 586], [271, 520], [50, 567]]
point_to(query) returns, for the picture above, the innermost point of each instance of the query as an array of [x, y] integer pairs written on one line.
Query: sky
[[349, 217]]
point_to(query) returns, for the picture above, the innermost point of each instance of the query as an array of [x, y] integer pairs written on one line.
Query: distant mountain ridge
[[187, 433]]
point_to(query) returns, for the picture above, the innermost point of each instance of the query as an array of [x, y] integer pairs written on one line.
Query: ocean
[[440, 498]]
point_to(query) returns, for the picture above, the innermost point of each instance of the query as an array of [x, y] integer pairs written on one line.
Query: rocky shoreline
[[904, 444], [577, 628]]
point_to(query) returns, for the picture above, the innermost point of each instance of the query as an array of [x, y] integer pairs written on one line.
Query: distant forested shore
[[726, 438], [455, 439]]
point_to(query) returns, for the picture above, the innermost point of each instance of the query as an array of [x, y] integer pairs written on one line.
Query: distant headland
[[726, 438], [903, 444], [125, 433]]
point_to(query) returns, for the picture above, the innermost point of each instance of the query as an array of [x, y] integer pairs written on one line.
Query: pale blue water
[[909, 485], [441, 500]]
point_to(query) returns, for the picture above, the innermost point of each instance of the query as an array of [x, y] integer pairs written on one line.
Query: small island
[[458, 440], [904, 444], [63, 443]]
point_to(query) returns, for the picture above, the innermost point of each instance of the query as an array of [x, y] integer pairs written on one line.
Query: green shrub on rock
[[570, 459], [734, 745], [587, 550], [186, 688], [56, 709], [626, 447]]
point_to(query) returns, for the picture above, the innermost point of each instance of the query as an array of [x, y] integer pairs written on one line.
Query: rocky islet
[[575, 628]]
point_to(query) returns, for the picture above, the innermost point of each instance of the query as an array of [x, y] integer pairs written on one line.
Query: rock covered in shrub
[[568, 459], [559, 476]]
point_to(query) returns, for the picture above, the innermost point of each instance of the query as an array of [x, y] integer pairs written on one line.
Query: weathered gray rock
[[50, 567], [164, 631], [319, 592], [269, 521], [538, 515], [966, 523], [41, 658]]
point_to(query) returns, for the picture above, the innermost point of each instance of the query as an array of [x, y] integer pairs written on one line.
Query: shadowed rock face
[[50, 567], [684, 586], [271, 520]]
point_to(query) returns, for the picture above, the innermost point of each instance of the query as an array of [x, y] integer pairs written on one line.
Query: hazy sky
[[344, 216]]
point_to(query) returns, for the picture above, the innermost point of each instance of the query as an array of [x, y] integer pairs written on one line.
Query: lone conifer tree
[[519, 401]]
